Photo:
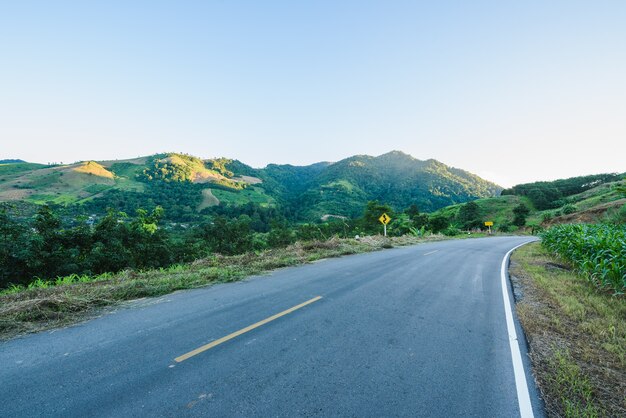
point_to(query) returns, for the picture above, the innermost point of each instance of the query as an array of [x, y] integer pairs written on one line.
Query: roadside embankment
[[576, 333]]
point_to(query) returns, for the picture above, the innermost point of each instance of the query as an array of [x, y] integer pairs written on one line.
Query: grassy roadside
[[577, 336], [50, 305]]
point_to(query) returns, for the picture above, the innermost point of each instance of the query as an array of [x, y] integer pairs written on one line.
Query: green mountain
[[186, 185], [343, 188]]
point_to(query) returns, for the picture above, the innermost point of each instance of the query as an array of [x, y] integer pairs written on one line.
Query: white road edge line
[[523, 396], [432, 252]]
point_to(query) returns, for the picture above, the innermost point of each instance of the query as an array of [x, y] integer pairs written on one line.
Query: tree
[[78, 242], [110, 251], [280, 235], [226, 236], [520, 211], [438, 223], [13, 254], [149, 245], [372, 212], [412, 211], [47, 254], [402, 225], [417, 219], [469, 216]]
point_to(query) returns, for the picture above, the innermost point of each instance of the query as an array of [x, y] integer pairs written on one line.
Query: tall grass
[[596, 251], [59, 281]]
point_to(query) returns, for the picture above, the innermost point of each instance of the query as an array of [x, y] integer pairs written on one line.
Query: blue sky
[[512, 91]]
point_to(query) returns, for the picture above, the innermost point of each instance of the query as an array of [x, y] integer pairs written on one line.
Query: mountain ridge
[[308, 192]]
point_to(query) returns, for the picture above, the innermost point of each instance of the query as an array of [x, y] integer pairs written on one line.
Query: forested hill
[[344, 187], [553, 194], [186, 186]]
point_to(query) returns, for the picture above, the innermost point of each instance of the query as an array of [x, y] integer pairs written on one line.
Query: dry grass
[[577, 337], [93, 168]]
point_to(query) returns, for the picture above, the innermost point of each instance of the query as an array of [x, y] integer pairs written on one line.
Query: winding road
[[408, 332]]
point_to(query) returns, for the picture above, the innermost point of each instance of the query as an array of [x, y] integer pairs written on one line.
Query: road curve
[[413, 331]]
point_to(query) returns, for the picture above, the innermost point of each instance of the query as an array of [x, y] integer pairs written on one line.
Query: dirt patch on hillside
[[206, 177], [592, 215], [208, 200], [248, 179], [15, 194], [324, 218]]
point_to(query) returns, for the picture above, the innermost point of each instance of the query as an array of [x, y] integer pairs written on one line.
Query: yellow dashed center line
[[243, 331]]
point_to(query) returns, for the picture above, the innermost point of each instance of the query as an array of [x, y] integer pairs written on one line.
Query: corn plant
[[596, 251]]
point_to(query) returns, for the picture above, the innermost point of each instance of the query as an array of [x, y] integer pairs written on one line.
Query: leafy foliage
[[169, 168], [521, 212], [58, 243], [227, 236], [438, 223], [597, 251], [179, 199], [469, 216], [373, 211], [47, 249]]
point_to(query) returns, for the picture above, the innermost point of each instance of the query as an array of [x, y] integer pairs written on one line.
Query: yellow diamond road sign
[[384, 219]]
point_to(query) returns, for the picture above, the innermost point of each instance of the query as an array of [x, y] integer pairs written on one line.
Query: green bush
[[568, 209], [521, 212], [617, 216], [505, 228], [438, 223], [451, 231]]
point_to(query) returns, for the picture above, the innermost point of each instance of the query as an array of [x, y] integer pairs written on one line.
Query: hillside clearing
[[208, 200]]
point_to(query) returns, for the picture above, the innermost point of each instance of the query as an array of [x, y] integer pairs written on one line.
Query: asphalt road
[[414, 331]]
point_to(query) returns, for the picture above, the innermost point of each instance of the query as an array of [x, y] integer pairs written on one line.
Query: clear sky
[[514, 91]]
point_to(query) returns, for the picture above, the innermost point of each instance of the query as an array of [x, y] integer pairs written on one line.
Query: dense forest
[[54, 242]]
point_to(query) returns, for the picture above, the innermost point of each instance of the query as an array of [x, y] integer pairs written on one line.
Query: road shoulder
[[577, 341]]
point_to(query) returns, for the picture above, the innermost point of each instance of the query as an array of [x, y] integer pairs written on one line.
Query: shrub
[[617, 216], [451, 231], [505, 228], [521, 211], [568, 209], [438, 223]]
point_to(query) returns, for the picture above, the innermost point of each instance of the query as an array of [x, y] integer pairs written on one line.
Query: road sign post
[[489, 224], [384, 219]]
